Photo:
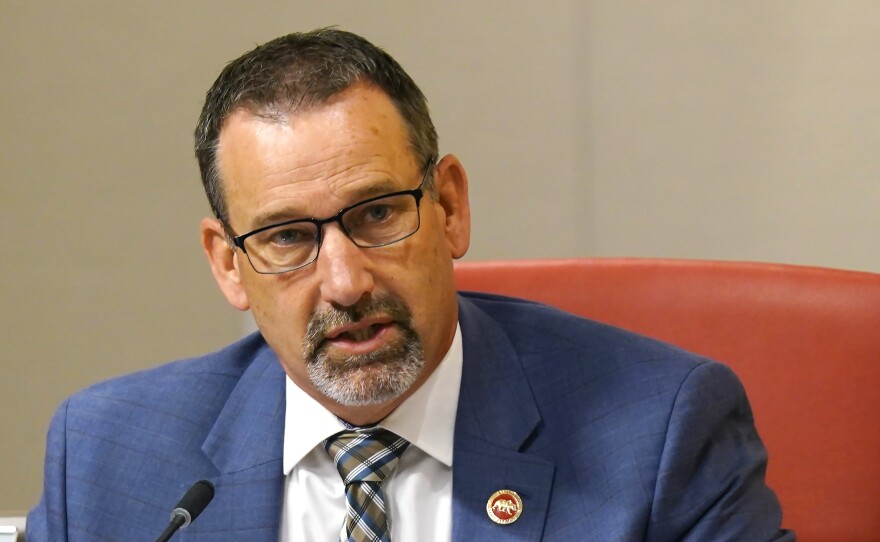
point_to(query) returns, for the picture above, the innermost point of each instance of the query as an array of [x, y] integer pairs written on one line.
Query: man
[[483, 418]]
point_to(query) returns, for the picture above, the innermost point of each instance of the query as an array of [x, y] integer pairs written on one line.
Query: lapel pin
[[504, 506]]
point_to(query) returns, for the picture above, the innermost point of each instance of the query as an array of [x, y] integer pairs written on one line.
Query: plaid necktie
[[365, 459]]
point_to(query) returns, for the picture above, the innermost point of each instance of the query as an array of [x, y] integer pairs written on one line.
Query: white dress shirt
[[418, 493]]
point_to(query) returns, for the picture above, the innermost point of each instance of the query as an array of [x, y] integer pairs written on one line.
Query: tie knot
[[368, 455]]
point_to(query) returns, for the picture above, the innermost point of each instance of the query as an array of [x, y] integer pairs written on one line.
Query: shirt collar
[[426, 418]]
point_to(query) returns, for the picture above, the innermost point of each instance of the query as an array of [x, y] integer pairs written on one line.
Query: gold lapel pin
[[504, 506]]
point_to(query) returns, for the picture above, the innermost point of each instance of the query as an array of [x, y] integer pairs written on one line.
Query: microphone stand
[[176, 523], [191, 505]]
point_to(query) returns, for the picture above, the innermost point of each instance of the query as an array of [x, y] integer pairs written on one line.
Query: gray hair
[[295, 73]]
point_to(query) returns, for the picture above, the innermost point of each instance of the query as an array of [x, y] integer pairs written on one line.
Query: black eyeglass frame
[[417, 193]]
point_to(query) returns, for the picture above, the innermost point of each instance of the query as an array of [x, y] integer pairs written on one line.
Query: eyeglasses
[[371, 223]]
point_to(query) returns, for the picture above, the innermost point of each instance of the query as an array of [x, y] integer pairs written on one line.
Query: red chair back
[[805, 341]]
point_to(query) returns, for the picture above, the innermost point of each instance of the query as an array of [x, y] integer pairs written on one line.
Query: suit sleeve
[[710, 484], [47, 522]]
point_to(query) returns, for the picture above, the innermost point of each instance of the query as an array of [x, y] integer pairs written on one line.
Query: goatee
[[364, 379]]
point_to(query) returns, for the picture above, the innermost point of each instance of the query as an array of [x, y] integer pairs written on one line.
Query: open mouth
[[363, 332], [358, 335], [374, 326]]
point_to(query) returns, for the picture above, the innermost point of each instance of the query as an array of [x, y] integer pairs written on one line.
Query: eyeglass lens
[[374, 223]]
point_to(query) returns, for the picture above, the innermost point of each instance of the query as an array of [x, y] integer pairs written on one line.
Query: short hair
[[298, 72]]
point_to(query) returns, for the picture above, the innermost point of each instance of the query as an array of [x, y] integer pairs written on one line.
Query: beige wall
[[733, 130]]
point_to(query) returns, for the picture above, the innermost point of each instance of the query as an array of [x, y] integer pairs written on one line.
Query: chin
[[373, 378], [362, 383]]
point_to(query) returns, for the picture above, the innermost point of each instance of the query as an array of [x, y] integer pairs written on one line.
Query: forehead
[[309, 162]]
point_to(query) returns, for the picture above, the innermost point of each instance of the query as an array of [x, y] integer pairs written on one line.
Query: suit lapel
[[496, 416], [246, 446]]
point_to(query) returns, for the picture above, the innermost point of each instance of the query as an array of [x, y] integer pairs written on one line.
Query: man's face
[[360, 328]]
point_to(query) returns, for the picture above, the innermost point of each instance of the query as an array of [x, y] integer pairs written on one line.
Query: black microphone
[[189, 507]]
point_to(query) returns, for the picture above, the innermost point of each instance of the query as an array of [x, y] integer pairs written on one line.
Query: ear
[[451, 185], [224, 263]]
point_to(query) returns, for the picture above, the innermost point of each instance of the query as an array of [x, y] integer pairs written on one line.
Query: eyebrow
[[385, 186]]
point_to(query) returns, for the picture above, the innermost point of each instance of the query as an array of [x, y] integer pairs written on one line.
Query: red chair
[[804, 340]]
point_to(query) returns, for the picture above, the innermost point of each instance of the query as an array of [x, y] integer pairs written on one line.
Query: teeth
[[363, 334]]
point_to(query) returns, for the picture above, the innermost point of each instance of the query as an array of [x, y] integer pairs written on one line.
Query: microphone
[[193, 503]]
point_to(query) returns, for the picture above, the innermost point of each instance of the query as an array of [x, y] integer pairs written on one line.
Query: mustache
[[321, 323]]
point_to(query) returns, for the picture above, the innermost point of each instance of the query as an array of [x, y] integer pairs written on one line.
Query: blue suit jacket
[[605, 435]]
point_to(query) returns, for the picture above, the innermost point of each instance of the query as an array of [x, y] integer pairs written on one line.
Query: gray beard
[[364, 379]]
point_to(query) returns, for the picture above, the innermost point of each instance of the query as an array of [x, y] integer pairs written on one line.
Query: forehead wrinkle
[[301, 179], [335, 180]]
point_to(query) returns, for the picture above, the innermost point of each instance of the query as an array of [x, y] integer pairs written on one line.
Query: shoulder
[[574, 364], [186, 392], [225, 365], [131, 443], [544, 334], [652, 433]]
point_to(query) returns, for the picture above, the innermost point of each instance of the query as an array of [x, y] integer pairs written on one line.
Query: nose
[[343, 269]]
